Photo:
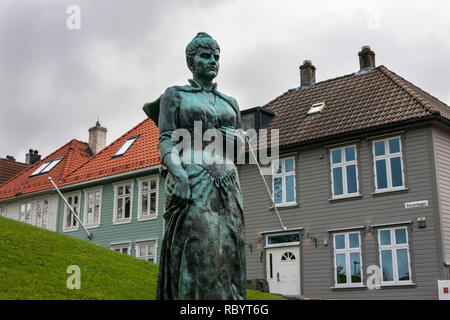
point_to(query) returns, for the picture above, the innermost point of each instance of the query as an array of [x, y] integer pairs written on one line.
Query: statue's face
[[206, 63]]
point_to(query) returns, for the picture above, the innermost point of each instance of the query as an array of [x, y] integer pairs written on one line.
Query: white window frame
[[23, 214], [147, 242], [283, 176], [116, 198], [347, 251], [140, 194], [3, 211], [393, 247], [121, 246], [286, 244], [387, 157], [86, 203], [67, 211], [41, 225], [344, 164]]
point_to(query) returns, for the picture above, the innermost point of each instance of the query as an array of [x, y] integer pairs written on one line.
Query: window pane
[[125, 250], [337, 182], [403, 265], [91, 196], [381, 174], [144, 186], [400, 236], [341, 271], [128, 189], [350, 154], [386, 260], [290, 194], [120, 191], [277, 167], [379, 148], [97, 196], [144, 204], [352, 185], [339, 241], [355, 264], [336, 156], [127, 208], [96, 213], [153, 184], [119, 208], [289, 165], [153, 203], [295, 237], [278, 192], [385, 237], [396, 169], [354, 240], [394, 145]]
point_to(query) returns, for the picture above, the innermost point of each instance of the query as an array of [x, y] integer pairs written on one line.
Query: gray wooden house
[[362, 185]]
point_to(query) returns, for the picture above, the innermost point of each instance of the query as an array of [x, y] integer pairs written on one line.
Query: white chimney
[[97, 138]]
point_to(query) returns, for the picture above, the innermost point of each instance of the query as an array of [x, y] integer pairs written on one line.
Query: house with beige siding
[[362, 186]]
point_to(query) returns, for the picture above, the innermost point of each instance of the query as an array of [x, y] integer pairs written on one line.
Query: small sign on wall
[[444, 286], [416, 204]]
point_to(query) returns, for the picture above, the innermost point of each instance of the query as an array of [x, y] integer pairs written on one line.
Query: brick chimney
[[307, 74], [32, 157], [97, 138], [366, 58]]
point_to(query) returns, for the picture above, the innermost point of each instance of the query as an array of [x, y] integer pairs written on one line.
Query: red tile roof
[[352, 103], [142, 153], [9, 169], [73, 153]]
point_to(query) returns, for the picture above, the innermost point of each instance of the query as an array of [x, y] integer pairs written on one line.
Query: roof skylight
[[46, 167], [316, 108], [124, 148]]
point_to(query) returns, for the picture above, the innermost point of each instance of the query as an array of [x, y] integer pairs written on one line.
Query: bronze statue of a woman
[[203, 250]]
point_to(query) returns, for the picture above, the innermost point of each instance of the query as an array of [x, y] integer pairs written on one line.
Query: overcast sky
[[55, 82]]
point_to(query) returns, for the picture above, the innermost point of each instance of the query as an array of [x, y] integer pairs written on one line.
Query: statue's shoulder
[[229, 99]]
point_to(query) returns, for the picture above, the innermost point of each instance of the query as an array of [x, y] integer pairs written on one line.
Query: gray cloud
[[55, 82]]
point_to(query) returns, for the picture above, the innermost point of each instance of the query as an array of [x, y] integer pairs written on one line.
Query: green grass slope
[[34, 262]]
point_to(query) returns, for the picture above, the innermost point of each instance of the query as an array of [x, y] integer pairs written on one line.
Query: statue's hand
[[182, 191]]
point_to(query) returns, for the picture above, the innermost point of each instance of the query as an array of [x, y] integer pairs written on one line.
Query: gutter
[[102, 179], [368, 130], [106, 178]]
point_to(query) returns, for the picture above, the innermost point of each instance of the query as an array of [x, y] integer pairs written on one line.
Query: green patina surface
[[203, 250]]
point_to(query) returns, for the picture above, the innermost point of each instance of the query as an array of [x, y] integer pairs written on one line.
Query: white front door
[[283, 270]]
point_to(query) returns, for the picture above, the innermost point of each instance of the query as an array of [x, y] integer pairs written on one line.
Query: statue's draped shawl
[[151, 109]]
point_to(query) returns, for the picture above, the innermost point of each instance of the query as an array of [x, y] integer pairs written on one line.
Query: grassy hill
[[34, 262]]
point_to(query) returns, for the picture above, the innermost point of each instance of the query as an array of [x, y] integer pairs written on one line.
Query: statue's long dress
[[203, 250]]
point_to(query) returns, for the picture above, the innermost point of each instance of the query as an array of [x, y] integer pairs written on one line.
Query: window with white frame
[[148, 199], [124, 248], [92, 207], [70, 222], [25, 212], [146, 250], [41, 213], [347, 259], [394, 255], [388, 164], [344, 172], [283, 181], [123, 202], [3, 212]]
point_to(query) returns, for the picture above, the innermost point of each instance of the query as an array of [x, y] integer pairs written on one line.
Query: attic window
[[316, 108], [46, 167], [124, 148]]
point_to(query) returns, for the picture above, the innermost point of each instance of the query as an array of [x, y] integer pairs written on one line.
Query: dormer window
[[124, 148], [46, 167], [316, 108]]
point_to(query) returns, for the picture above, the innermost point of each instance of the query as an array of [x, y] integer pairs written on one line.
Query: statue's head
[[202, 56]]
